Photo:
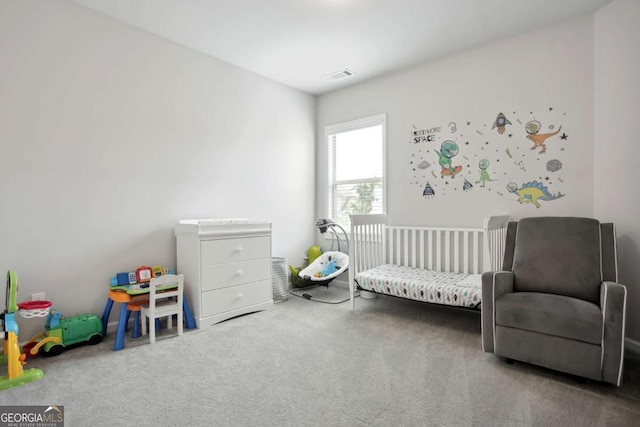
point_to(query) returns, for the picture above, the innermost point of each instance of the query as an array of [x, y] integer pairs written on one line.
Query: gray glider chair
[[556, 303]]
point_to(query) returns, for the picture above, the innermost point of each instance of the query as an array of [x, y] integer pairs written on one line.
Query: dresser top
[[214, 226], [223, 221]]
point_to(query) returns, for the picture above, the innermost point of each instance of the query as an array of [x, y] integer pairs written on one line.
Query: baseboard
[[340, 283], [113, 326]]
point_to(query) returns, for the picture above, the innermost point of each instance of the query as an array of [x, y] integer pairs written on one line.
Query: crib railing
[[367, 242], [495, 232], [459, 250]]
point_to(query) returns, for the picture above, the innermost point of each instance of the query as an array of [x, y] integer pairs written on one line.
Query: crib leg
[[353, 300]]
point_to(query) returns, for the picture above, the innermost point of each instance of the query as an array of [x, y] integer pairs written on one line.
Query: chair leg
[[143, 320], [152, 330], [158, 324], [136, 325], [152, 334]]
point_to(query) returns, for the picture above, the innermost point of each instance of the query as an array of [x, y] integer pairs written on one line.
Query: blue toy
[[122, 278], [53, 319], [329, 269]]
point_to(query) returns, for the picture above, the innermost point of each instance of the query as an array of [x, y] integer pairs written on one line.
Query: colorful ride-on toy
[[62, 333]]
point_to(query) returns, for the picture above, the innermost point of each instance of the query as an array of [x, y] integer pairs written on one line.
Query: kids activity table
[[126, 293]]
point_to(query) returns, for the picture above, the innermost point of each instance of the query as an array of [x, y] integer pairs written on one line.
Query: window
[[355, 168]]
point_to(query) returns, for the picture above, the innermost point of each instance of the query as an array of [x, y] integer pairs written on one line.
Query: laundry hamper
[[280, 279]]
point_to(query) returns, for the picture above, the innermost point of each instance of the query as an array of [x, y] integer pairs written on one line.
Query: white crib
[[430, 264]]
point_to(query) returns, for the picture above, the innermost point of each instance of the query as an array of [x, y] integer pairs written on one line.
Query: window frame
[[365, 122]]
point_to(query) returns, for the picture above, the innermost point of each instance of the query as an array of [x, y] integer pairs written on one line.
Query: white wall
[[617, 151], [109, 135], [522, 77], [586, 68]]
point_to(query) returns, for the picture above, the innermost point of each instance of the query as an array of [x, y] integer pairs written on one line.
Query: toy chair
[[162, 303], [133, 306]]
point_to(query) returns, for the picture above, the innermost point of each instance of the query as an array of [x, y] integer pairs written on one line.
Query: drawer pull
[[239, 273], [239, 249], [240, 295]]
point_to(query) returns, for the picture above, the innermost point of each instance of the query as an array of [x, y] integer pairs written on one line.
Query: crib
[[430, 264]]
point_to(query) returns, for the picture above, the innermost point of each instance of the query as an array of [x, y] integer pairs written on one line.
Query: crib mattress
[[438, 287]]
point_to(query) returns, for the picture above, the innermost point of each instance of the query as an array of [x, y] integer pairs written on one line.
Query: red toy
[[144, 274]]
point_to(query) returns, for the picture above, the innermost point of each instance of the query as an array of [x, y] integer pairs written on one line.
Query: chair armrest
[[494, 284], [613, 301]]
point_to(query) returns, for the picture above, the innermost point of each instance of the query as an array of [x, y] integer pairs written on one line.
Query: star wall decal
[[564, 136]]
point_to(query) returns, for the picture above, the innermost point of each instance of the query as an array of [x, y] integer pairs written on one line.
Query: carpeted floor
[[304, 363]]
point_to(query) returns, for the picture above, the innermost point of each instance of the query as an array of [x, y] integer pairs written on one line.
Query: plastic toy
[[144, 274], [16, 375], [296, 280], [158, 271], [313, 253], [62, 333], [122, 279], [329, 269]]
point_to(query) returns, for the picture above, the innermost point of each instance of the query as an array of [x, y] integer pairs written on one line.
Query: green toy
[[16, 375], [62, 333], [296, 281], [313, 253]]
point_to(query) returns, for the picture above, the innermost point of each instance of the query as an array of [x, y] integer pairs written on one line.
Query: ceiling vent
[[338, 75]]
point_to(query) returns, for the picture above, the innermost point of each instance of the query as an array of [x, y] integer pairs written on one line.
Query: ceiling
[[300, 42]]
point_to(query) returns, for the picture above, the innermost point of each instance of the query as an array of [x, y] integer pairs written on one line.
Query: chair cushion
[[558, 255], [550, 314]]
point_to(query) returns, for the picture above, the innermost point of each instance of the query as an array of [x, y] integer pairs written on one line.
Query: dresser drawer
[[227, 299], [234, 250], [235, 273]]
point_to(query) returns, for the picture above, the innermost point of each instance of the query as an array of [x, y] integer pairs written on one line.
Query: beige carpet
[[303, 363]]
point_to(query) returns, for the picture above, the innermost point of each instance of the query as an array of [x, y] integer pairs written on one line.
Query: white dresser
[[226, 265]]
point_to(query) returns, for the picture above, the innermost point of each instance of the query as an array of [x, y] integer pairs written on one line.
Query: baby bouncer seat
[[324, 269]]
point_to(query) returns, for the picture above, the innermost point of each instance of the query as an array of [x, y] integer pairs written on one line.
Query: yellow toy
[[313, 253], [16, 375], [158, 271]]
